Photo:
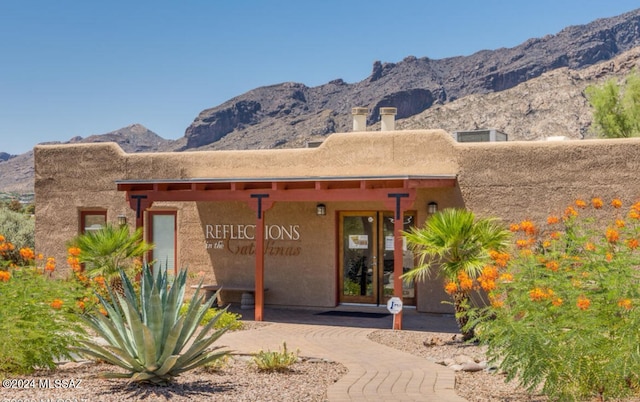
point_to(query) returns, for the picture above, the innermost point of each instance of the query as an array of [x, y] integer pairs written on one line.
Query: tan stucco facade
[[511, 180]]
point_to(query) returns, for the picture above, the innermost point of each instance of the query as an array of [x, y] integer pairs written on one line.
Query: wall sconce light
[[321, 210], [432, 207], [122, 220]]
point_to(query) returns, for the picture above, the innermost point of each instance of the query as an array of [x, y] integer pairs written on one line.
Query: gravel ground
[[239, 380], [479, 386]]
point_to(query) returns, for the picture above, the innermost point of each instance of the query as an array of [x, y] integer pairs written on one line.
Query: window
[[92, 220], [162, 233]]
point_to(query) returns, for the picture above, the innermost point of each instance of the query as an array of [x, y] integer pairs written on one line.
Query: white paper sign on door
[[389, 243], [358, 241]]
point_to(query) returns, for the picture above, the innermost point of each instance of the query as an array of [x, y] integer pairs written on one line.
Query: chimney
[[387, 115], [359, 118]]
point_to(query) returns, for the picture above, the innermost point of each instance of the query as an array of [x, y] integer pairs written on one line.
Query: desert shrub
[[38, 319], [226, 319], [217, 365], [19, 229], [275, 361], [566, 310]]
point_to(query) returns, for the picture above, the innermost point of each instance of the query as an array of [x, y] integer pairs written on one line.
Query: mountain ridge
[[510, 89], [275, 113]]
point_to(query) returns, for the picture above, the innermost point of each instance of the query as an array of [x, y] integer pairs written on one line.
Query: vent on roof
[[484, 135]]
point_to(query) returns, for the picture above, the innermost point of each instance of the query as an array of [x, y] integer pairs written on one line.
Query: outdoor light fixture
[[122, 220], [321, 210], [432, 207]]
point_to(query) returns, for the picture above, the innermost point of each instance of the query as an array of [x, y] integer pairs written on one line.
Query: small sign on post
[[394, 305]]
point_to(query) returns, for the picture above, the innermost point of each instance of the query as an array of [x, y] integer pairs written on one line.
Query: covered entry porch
[[395, 193]]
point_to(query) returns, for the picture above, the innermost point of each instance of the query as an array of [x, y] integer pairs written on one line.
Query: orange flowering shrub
[[626, 304], [597, 202], [553, 265], [552, 220], [570, 212], [45, 309], [583, 303], [50, 266], [528, 227], [537, 294], [569, 293], [57, 304], [99, 280], [500, 259], [6, 249], [451, 288], [27, 254], [486, 280]]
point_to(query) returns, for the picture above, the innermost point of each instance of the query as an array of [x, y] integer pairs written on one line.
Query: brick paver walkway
[[376, 372]]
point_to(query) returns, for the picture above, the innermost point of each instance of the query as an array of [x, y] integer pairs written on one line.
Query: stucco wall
[[534, 179], [512, 180], [70, 179]]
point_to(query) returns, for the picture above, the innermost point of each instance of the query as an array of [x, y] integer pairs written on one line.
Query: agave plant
[[147, 335]]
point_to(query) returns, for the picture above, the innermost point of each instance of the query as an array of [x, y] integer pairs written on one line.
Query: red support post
[[398, 226], [261, 205], [259, 292]]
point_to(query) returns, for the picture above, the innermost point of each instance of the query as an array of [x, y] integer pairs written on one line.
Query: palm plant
[[107, 251], [147, 335], [458, 243]]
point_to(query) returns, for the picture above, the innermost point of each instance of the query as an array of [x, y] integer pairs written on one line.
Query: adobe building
[[317, 227]]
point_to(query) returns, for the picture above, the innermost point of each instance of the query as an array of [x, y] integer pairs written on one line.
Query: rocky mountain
[[531, 91], [285, 115], [17, 172], [133, 138], [553, 104]]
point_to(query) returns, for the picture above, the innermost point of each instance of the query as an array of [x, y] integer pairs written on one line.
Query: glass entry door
[[367, 258]]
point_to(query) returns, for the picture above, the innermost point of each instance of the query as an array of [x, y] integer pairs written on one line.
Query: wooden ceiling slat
[[281, 190]]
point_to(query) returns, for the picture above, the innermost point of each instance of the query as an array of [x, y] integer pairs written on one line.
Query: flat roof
[[284, 179]]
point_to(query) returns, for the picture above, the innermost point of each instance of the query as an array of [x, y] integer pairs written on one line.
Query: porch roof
[[284, 184]]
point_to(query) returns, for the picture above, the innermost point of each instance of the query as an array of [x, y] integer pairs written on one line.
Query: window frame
[[83, 218], [150, 216]]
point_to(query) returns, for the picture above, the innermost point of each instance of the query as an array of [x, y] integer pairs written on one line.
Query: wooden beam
[[299, 195]]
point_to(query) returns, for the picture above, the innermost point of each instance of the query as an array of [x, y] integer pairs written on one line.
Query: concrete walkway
[[376, 372]]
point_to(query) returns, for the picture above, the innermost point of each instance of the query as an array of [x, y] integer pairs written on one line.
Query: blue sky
[[70, 68]]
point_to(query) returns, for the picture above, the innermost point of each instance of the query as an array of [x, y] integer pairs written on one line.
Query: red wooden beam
[[300, 195]]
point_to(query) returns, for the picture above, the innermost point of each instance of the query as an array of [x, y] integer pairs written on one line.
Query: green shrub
[[226, 319], [565, 314], [38, 320], [351, 288], [217, 365], [19, 229], [110, 250], [275, 361]]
